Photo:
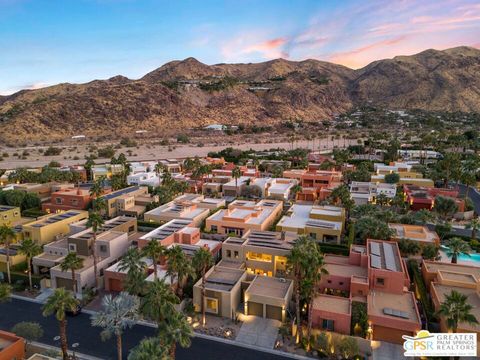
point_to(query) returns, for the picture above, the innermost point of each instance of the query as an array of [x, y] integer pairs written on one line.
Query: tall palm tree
[[133, 264], [29, 248], [456, 309], [456, 247], [178, 268], [148, 349], [96, 190], [5, 290], [202, 261], [159, 301], [236, 173], [6, 236], [175, 329], [95, 221], [118, 313], [154, 250], [58, 303], [72, 262], [474, 224]]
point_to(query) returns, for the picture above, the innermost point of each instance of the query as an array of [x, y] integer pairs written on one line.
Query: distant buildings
[[129, 201], [67, 199], [368, 192], [420, 197]]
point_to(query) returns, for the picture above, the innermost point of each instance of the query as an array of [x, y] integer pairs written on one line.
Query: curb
[[77, 354], [24, 298]]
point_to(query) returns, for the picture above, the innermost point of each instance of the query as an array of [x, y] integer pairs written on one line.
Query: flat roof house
[[193, 207], [420, 234], [420, 197], [323, 223], [67, 199], [404, 180], [129, 201], [367, 192], [279, 188], [241, 216], [51, 227], [9, 215], [12, 347], [375, 275], [316, 184]]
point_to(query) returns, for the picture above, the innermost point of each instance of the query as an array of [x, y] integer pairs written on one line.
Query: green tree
[[29, 248], [150, 348], [457, 247], [95, 221], [236, 173], [429, 252], [5, 290], [392, 178], [133, 264], [443, 229], [474, 224], [158, 302], [30, 331], [6, 237], [449, 168], [348, 347], [341, 196], [456, 309], [408, 247], [175, 330], [369, 227], [178, 268], [202, 261], [445, 207], [72, 262], [58, 303], [154, 250], [117, 314]]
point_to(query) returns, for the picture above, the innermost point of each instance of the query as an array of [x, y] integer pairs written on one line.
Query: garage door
[[115, 285], [65, 283], [255, 309], [274, 312]]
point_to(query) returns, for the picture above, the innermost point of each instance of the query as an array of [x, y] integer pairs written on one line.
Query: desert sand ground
[[75, 154]]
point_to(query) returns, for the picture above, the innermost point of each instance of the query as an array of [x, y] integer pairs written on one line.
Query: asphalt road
[[473, 195], [80, 331]]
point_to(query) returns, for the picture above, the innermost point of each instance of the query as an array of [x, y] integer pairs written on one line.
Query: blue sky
[[45, 42]]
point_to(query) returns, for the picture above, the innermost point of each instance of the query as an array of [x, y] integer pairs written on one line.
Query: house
[[418, 181], [241, 216], [9, 215], [144, 179], [261, 252], [51, 227], [106, 171], [443, 278], [375, 276], [12, 347], [368, 192], [193, 207], [129, 201], [420, 234], [67, 199], [43, 191], [322, 223], [316, 184], [279, 188], [421, 197]]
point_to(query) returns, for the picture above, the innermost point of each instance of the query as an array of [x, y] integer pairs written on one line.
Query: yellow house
[[48, 228], [419, 181], [322, 223], [9, 215]]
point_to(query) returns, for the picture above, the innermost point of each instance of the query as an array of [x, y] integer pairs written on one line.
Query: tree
[[443, 229], [457, 247], [474, 224], [148, 349], [88, 167], [429, 252], [449, 168], [72, 262], [178, 268], [95, 221], [159, 301], [456, 310], [408, 247], [30, 331], [133, 263], [445, 207], [236, 173], [341, 196], [58, 303], [369, 227], [175, 329], [6, 236], [29, 248], [117, 314], [392, 178], [348, 347], [5, 290], [202, 261], [154, 250]]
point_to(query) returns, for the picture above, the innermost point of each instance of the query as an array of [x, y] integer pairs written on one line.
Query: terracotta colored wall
[[14, 351], [341, 321]]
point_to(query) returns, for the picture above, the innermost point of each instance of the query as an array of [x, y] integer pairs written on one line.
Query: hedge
[[33, 213], [421, 288], [337, 249], [150, 224]]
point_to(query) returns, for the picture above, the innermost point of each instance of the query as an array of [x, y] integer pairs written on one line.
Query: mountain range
[[188, 94]]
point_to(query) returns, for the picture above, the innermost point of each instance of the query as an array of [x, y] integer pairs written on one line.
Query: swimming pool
[[474, 257]]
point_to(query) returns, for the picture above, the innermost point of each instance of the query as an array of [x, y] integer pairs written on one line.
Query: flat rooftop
[[223, 279], [435, 266], [270, 287], [457, 277], [55, 218], [229, 264], [346, 270], [414, 232], [299, 217], [267, 239], [167, 229], [403, 306], [336, 304], [384, 255]]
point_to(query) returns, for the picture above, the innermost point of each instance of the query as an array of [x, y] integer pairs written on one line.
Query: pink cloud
[[246, 44]]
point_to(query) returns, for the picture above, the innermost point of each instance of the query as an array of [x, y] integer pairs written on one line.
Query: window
[[327, 324], [131, 229], [72, 247], [58, 200], [103, 248], [380, 281], [229, 253], [329, 281], [313, 236], [235, 254], [213, 228], [5, 217], [259, 256], [211, 305], [340, 283]]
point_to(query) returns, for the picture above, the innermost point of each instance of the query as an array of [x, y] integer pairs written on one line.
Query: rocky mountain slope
[[188, 93]]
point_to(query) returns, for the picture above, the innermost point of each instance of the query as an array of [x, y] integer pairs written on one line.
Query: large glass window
[[211, 305], [327, 324], [259, 256]]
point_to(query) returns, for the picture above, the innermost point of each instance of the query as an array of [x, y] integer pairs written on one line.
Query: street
[[80, 331]]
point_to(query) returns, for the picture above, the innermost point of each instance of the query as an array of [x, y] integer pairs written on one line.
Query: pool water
[[474, 257]]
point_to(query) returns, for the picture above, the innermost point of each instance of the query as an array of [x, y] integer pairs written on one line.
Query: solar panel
[[375, 261], [390, 262], [375, 248], [396, 313]]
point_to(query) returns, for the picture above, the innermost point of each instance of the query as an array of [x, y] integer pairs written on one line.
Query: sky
[[45, 42]]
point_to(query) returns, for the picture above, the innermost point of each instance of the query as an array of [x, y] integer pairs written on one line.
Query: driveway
[[382, 350], [258, 331]]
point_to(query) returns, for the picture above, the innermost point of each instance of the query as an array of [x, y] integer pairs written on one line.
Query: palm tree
[[29, 248], [474, 224], [154, 250], [118, 313], [175, 329], [178, 268], [158, 169], [95, 221], [456, 247], [456, 309], [132, 263], [6, 236], [148, 349], [159, 301], [236, 173], [58, 303], [202, 261], [5, 290], [96, 190], [72, 262]]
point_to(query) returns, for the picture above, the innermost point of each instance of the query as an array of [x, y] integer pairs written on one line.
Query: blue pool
[[474, 257]]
